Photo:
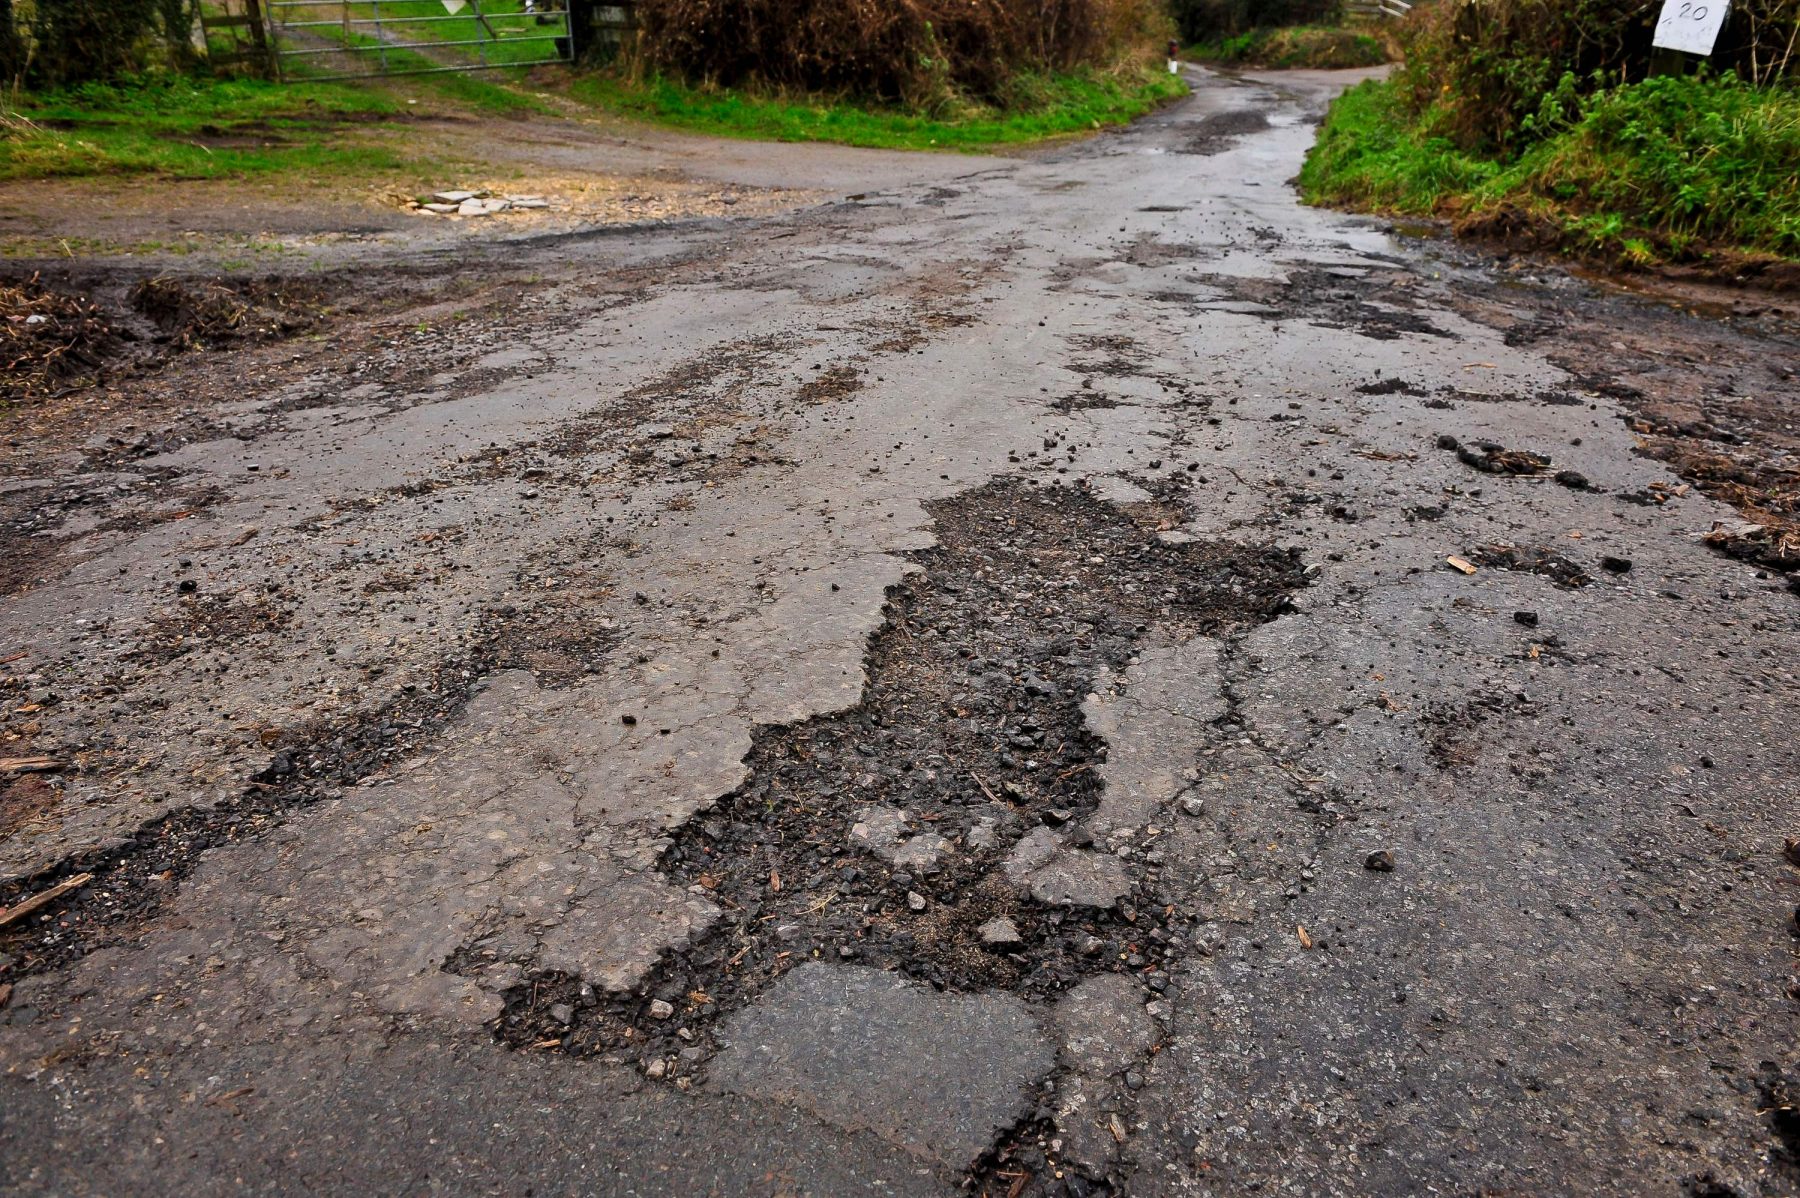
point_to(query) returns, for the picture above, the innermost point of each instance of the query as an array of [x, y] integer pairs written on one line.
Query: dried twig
[[39, 901]]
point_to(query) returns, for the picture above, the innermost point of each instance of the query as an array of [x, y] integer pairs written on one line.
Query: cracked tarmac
[[901, 697]]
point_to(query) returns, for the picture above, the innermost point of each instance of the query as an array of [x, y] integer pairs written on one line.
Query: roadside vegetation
[[193, 128], [933, 57], [204, 127], [1061, 104], [1280, 34], [909, 74], [135, 97], [1512, 118], [1310, 47]]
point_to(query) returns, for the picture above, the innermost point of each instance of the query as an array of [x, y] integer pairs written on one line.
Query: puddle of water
[[1422, 229], [1648, 288]]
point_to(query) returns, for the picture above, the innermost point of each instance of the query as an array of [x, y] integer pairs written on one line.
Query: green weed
[[1659, 168]]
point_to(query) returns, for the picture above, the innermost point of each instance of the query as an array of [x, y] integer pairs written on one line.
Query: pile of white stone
[[476, 203]]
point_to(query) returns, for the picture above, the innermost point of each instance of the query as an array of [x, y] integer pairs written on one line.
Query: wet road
[[905, 696]]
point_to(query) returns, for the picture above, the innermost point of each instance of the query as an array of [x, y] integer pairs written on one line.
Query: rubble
[[463, 203]]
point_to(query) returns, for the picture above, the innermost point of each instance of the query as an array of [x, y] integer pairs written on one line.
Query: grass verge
[[1669, 169], [1047, 107], [190, 128], [202, 128]]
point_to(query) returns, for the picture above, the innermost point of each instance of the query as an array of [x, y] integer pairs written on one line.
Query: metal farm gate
[[357, 39], [299, 40]]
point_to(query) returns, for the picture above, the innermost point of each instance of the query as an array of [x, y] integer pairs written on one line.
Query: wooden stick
[[29, 765], [43, 899]]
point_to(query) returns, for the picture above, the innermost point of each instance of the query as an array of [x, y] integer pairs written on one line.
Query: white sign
[[454, 6], [1691, 26]]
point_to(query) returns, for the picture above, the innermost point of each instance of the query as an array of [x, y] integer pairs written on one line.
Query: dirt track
[[960, 687]]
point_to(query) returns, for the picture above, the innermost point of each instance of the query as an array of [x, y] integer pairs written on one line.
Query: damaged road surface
[[1055, 676]]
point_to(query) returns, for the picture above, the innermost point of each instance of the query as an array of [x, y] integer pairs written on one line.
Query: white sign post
[[1691, 26]]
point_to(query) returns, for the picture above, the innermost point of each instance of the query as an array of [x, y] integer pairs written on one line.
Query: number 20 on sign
[[1691, 26]]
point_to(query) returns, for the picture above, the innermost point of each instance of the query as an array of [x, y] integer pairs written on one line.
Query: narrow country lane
[[1063, 675]]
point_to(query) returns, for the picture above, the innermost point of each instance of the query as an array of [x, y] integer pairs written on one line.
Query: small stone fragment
[[660, 1009], [563, 1013], [1381, 861], [985, 833], [1000, 932], [915, 901], [1615, 565], [1082, 879], [1528, 618]]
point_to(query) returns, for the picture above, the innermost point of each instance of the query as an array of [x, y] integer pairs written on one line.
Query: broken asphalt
[[955, 689]]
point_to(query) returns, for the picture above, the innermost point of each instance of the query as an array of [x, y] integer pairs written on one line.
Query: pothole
[[1379, 306], [880, 835]]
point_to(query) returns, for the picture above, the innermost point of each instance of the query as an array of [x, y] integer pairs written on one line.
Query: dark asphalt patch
[[1220, 131], [1394, 385]]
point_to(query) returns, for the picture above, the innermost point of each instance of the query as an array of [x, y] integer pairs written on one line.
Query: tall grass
[[1712, 160], [1667, 167]]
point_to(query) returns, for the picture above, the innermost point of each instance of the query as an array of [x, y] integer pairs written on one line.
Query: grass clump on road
[[1061, 104], [1666, 168]]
